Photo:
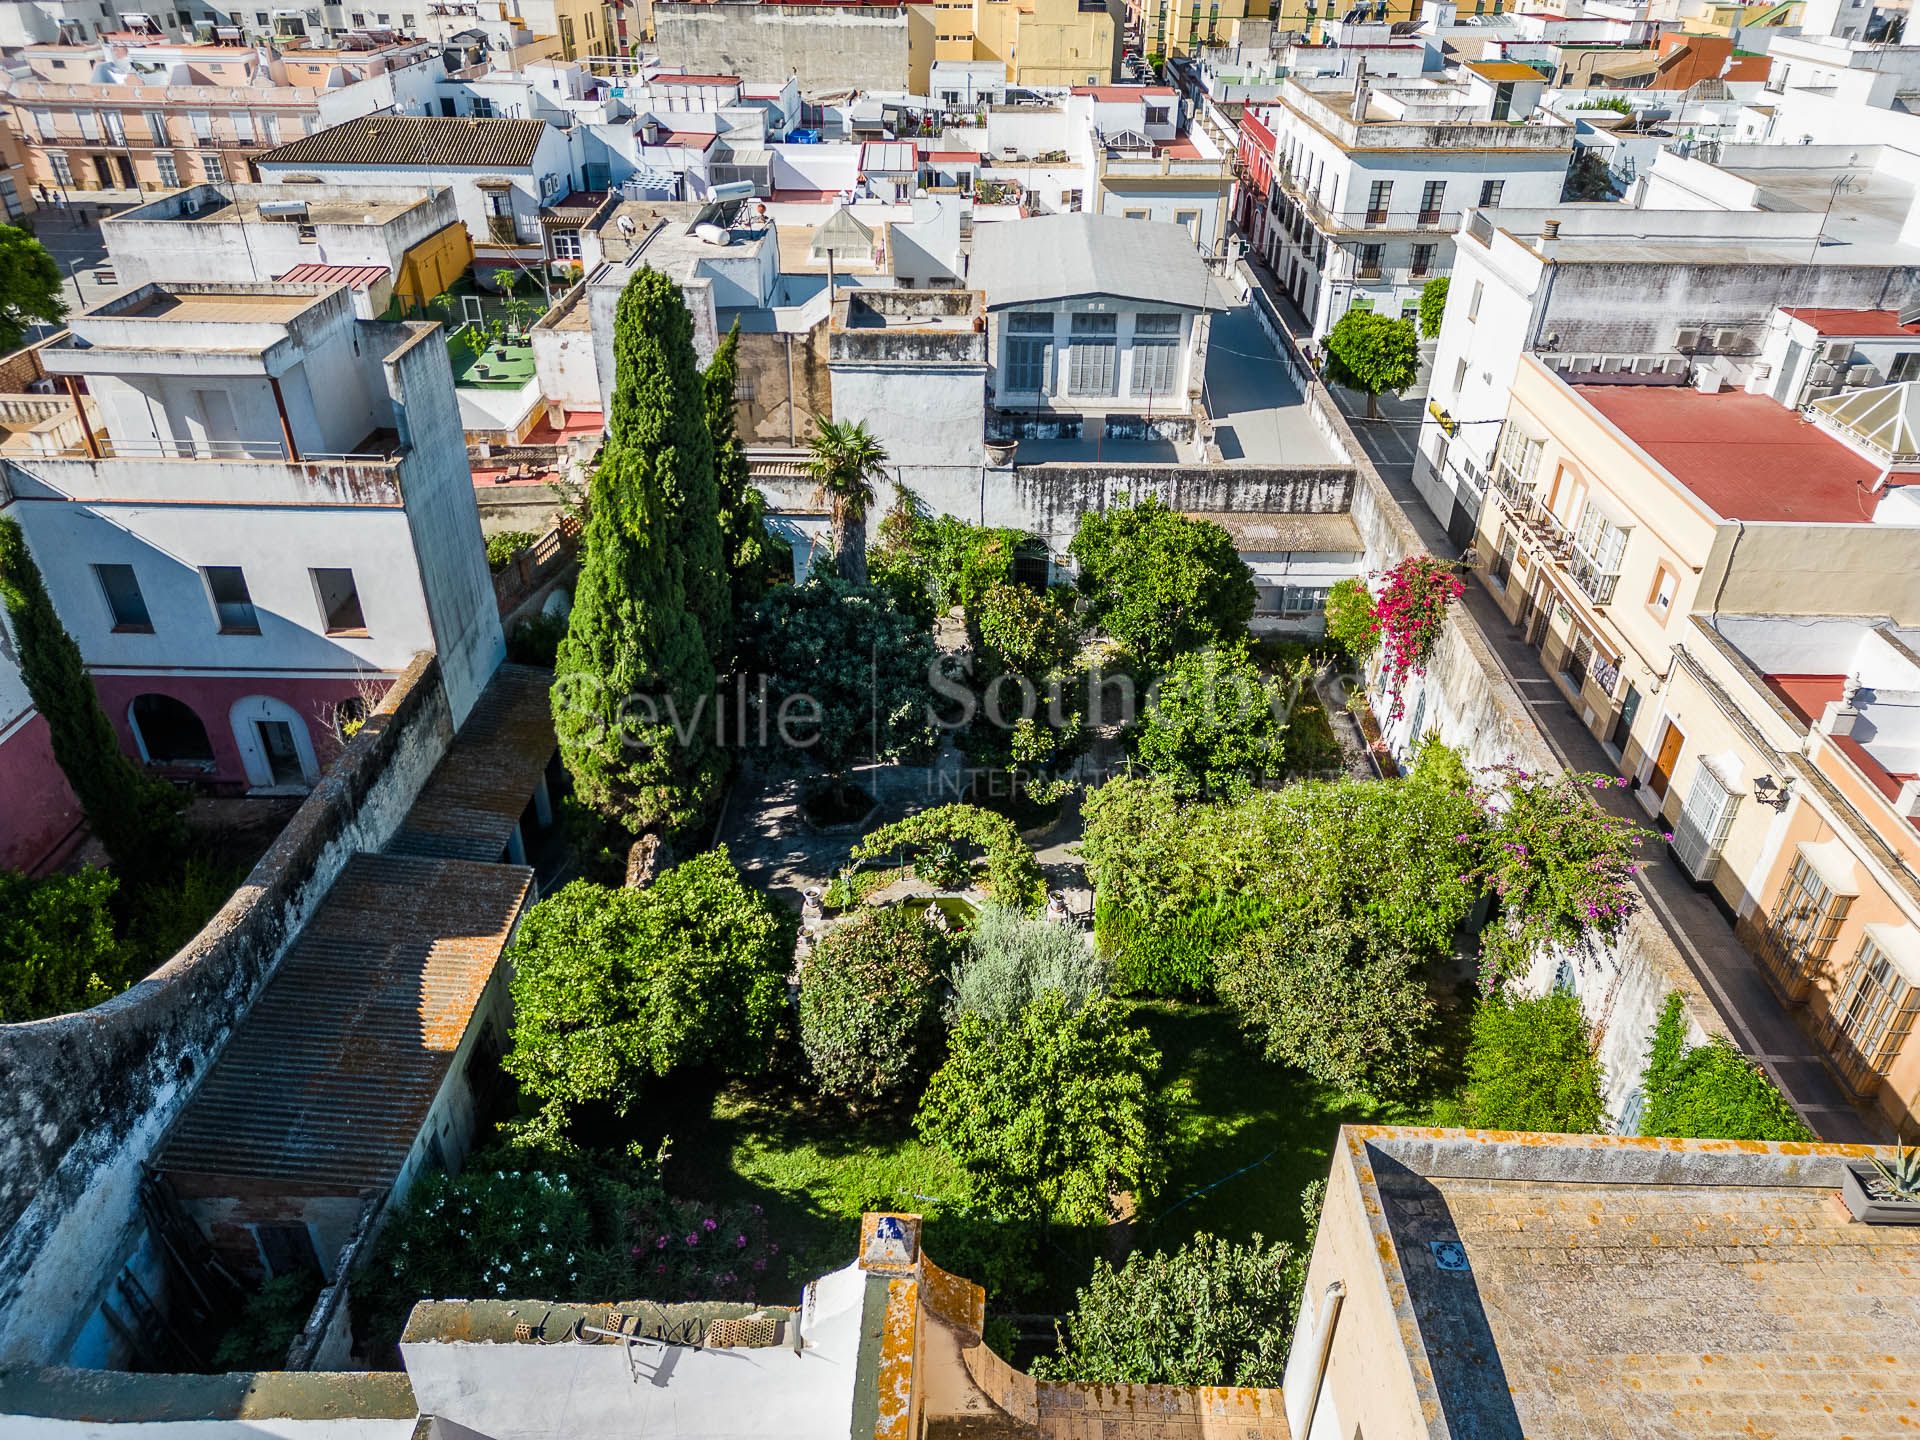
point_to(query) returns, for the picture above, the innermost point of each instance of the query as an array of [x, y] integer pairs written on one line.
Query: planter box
[[1869, 1210]]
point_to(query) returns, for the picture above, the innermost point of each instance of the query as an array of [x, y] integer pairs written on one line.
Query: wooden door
[[1663, 762]]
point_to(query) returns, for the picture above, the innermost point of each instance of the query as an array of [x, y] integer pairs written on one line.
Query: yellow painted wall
[[921, 42], [431, 266], [1058, 43]]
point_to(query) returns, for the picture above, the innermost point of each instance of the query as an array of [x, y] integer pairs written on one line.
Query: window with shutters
[[169, 172], [1875, 1012], [1095, 344], [1432, 196], [1029, 349], [89, 125], [1423, 259], [1579, 657], [242, 126], [1379, 197], [1156, 353], [212, 169], [157, 126], [1705, 819], [1490, 191]]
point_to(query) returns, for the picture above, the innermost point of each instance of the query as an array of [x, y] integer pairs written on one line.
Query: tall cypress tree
[[672, 420], [756, 559], [134, 815], [633, 694]]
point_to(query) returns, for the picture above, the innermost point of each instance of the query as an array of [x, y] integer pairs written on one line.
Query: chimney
[[1360, 91], [1550, 230]]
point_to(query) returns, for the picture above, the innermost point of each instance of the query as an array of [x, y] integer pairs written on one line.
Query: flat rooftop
[[221, 306], [1745, 456], [1586, 1286], [320, 211]]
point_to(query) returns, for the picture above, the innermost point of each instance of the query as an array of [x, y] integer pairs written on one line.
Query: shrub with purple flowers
[[693, 1250], [1560, 866]]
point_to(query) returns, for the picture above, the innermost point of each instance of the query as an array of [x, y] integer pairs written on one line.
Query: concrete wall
[[783, 385], [824, 47], [443, 519], [89, 1095], [1468, 699], [155, 243]]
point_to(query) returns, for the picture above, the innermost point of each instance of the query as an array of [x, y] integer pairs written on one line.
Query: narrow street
[[1731, 978]]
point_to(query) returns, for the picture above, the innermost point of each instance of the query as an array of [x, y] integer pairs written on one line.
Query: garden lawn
[[812, 1167], [1234, 1110], [815, 1170]]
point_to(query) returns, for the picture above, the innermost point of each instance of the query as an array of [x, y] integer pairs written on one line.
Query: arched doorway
[[168, 732], [275, 745]]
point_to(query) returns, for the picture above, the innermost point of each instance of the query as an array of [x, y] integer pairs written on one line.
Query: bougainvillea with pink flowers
[[1409, 611], [1560, 864]]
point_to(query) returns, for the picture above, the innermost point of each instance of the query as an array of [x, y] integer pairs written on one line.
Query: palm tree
[[844, 460]]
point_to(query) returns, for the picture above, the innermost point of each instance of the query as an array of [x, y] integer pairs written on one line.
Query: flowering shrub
[[515, 1225], [1408, 614], [499, 1229], [1561, 866], [690, 1250]]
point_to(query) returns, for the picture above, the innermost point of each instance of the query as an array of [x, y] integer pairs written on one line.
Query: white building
[[501, 172], [269, 232], [1094, 315], [1694, 282], [1373, 178], [271, 516]]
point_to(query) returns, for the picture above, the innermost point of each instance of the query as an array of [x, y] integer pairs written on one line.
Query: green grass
[[1248, 1134], [508, 374]]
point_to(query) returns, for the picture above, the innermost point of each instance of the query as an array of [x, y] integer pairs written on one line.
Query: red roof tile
[[1806, 695], [360, 277], [1746, 456], [1120, 94], [1865, 324]]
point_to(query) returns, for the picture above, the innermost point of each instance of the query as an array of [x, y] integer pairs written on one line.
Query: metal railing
[[271, 451], [1597, 584]]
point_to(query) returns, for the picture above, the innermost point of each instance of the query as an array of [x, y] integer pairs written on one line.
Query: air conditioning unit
[[1862, 375], [1686, 337], [1674, 365], [1645, 365], [1835, 352], [1709, 382], [1610, 365], [1726, 341], [1824, 372]]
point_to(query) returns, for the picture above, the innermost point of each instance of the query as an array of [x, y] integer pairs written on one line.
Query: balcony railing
[[1597, 584], [1785, 958], [229, 450]]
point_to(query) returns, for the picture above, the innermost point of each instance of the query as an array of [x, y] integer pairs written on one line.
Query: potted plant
[[1882, 1192]]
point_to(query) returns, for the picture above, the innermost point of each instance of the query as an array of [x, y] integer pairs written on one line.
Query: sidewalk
[[1759, 1024], [1755, 1018]]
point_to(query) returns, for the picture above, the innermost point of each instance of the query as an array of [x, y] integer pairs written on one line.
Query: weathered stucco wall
[[1467, 698], [824, 47], [84, 1098]]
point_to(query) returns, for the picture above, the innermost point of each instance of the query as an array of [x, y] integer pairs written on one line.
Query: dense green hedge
[[1711, 1091], [1171, 954]]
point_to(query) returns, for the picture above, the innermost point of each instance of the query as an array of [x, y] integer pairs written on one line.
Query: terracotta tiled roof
[[358, 277], [417, 140], [474, 799], [327, 1080]]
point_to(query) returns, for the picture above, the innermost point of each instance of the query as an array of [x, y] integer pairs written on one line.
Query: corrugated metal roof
[[412, 141], [476, 796], [1054, 257], [890, 156], [360, 277], [326, 1083]]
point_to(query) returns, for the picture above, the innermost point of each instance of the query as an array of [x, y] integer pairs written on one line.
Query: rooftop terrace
[[1585, 1286], [1746, 457]]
